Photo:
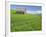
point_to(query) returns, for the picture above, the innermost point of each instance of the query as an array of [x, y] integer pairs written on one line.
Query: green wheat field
[[25, 22]]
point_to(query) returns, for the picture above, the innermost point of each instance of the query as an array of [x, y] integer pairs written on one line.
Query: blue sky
[[29, 8]]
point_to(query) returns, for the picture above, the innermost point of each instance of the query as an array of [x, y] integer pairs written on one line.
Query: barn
[[20, 10]]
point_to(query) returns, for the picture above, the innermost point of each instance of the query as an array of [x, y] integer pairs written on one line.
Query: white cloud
[[34, 12]]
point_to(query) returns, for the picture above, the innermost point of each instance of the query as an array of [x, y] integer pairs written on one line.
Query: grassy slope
[[27, 22], [13, 11]]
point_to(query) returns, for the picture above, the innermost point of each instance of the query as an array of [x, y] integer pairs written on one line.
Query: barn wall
[[21, 10]]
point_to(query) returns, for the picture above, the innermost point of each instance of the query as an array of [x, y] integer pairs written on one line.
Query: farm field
[[26, 22]]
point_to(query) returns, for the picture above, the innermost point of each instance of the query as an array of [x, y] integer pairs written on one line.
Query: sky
[[29, 8]]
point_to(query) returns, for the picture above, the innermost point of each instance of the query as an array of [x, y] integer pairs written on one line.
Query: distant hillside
[[13, 11]]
